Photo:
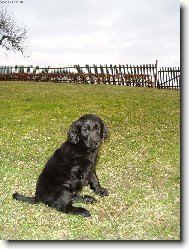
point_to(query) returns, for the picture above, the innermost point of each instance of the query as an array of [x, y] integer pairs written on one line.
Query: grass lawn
[[139, 163]]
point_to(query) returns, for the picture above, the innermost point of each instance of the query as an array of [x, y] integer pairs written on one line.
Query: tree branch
[[4, 37], [12, 37]]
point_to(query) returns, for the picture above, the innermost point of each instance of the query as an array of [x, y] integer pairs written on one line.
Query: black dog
[[72, 167]]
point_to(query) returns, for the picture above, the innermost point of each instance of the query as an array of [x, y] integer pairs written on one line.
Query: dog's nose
[[94, 144]]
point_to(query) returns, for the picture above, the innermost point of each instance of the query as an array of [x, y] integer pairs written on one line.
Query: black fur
[[72, 167]]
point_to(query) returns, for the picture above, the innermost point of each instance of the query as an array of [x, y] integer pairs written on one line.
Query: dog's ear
[[73, 133], [104, 131]]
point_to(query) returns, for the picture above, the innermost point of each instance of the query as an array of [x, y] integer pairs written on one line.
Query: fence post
[[156, 74]]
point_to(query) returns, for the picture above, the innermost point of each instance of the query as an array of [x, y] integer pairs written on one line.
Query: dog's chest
[[85, 164]]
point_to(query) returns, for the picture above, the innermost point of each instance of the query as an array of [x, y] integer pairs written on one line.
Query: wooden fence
[[142, 76], [168, 78]]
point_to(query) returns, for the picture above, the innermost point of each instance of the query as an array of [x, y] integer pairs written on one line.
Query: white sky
[[67, 32]]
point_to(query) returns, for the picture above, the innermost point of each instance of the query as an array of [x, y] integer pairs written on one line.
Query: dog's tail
[[31, 200]]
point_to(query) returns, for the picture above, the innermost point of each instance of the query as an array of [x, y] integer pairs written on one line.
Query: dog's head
[[88, 131]]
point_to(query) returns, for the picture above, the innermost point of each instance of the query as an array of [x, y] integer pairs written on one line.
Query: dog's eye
[[86, 128], [97, 127], [81, 176]]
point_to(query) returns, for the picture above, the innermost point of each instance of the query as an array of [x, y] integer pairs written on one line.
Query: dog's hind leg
[[64, 204], [85, 198], [69, 209]]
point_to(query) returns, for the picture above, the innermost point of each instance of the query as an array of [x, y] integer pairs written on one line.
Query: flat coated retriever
[[72, 167]]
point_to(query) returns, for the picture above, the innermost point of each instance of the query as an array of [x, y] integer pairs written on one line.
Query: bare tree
[[12, 37]]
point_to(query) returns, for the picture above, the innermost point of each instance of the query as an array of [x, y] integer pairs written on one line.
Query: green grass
[[139, 163]]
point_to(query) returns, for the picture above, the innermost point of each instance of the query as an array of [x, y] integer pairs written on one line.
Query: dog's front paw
[[102, 191], [89, 199]]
